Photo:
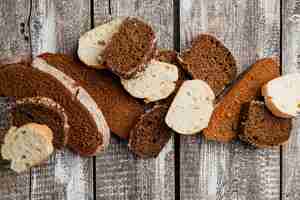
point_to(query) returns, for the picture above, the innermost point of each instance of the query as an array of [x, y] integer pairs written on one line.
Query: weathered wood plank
[[209, 170], [119, 174], [291, 64], [56, 27], [14, 46]]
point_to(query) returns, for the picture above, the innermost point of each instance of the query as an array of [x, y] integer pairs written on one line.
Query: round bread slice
[[45, 111], [150, 134], [89, 132], [130, 48], [157, 82], [209, 60], [191, 108], [27, 146], [92, 44], [262, 129], [282, 95]]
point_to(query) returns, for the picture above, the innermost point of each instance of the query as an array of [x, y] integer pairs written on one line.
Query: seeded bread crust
[[46, 111], [209, 60], [119, 109], [150, 134], [261, 128], [223, 126], [130, 48]]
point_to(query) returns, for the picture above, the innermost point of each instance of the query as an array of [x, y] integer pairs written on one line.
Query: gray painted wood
[[291, 64], [13, 47], [209, 170], [56, 27], [119, 174]]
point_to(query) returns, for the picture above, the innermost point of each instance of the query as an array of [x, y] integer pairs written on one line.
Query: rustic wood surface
[[119, 175], [291, 64], [208, 170], [56, 27], [14, 40]]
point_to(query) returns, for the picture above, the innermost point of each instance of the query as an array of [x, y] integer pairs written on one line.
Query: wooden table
[[188, 168]]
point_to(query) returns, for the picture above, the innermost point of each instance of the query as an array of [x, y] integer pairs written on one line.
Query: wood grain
[[119, 174], [56, 27], [291, 64], [14, 46], [209, 170]]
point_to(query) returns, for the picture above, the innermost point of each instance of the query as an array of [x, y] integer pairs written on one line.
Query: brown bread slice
[[130, 48], [45, 111], [150, 134], [120, 109], [261, 128], [209, 60], [223, 125], [89, 133]]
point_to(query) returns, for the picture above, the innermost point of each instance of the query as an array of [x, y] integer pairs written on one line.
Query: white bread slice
[[191, 108], [282, 95], [157, 82], [92, 43], [81, 95], [27, 146]]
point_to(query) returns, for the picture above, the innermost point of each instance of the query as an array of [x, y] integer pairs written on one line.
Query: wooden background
[[188, 168]]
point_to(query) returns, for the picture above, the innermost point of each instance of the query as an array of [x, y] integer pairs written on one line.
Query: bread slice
[[157, 82], [150, 134], [130, 48], [92, 44], [223, 126], [282, 95], [191, 108], [89, 133], [27, 146], [262, 129], [120, 109], [209, 60], [46, 111]]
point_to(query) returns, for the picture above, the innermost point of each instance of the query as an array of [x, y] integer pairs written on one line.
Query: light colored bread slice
[[27, 146], [282, 95], [191, 108], [157, 82], [92, 43]]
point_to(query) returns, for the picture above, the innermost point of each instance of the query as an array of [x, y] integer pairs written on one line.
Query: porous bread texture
[[157, 82], [209, 60], [261, 128], [282, 95], [92, 44], [27, 146], [191, 108]]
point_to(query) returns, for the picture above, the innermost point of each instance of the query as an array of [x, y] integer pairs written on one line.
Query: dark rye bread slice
[[150, 134], [130, 48], [89, 133], [261, 128], [120, 109], [45, 111], [224, 122], [209, 60]]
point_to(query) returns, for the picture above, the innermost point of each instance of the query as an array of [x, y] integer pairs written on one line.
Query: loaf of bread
[[282, 95], [223, 126], [157, 82], [89, 133], [262, 129], [27, 146], [43, 110], [209, 60], [191, 108], [150, 134]]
